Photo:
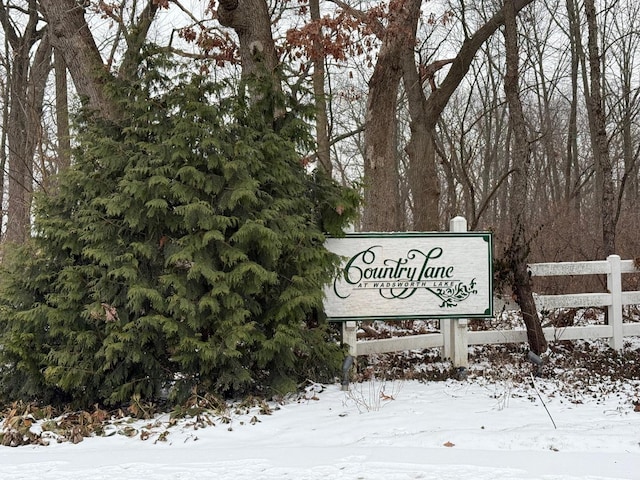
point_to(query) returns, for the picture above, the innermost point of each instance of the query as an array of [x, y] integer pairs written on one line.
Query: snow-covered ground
[[394, 431]]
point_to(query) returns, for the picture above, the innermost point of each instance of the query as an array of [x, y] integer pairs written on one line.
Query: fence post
[[454, 331], [614, 285], [350, 337]]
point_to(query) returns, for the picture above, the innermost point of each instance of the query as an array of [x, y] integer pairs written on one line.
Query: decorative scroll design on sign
[[451, 296]]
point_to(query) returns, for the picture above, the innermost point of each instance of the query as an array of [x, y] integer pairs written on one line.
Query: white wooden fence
[[454, 337]]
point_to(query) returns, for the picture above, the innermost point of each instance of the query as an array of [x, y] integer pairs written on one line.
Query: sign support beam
[[455, 330]]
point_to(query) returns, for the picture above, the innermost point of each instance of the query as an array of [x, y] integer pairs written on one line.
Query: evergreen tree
[[184, 250]]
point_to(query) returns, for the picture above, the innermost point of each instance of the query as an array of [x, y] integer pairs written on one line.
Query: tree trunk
[[62, 112], [518, 250], [423, 179], [136, 38], [322, 124], [382, 206], [599, 141], [71, 36], [382, 192], [3, 153], [439, 98], [26, 81], [572, 192], [422, 172], [251, 22]]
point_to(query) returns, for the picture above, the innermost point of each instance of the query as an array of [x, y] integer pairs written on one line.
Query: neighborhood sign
[[396, 276]]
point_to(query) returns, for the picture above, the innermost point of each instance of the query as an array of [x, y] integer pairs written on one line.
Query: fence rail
[[455, 337]]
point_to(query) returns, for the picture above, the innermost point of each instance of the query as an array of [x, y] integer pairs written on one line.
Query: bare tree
[[518, 251], [422, 171], [26, 84], [599, 140], [472, 134], [623, 104], [318, 79], [460, 64], [73, 39], [382, 194], [381, 178], [71, 36], [571, 168]]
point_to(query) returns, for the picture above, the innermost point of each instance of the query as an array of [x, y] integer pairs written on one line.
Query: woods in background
[[423, 106], [408, 94]]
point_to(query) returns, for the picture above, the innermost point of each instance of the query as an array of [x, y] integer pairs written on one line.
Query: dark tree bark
[[27, 81], [251, 21], [423, 172], [595, 107], [322, 123], [135, 38], [571, 166], [518, 251], [62, 112], [382, 210], [3, 154], [70, 35], [382, 194], [438, 99]]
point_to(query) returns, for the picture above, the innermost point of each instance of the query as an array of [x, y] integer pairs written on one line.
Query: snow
[[469, 429]]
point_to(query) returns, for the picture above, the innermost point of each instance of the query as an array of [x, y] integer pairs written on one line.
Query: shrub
[[183, 251]]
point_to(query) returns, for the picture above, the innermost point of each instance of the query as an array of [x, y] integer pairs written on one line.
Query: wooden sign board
[[399, 276]]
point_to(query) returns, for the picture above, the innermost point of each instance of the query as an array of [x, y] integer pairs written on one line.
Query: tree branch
[[376, 25], [460, 66], [136, 38]]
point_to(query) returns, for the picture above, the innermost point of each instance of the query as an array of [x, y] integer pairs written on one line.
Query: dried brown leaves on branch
[[335, 36]]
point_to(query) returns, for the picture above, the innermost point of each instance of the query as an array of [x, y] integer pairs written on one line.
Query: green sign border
[[486, 236]]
